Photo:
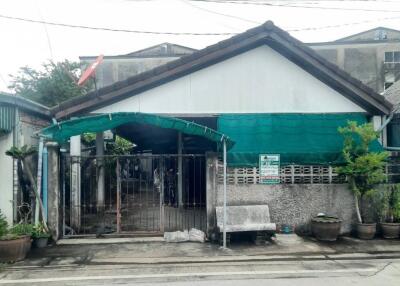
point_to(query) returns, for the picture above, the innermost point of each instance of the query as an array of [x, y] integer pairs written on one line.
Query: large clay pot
[[366, 230], [326, 228], [14, 249], [390, 230]]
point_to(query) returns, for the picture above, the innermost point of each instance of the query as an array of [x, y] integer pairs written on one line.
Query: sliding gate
[[144, 193]]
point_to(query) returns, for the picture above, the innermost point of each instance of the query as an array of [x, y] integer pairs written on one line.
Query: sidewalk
[[154, 251]]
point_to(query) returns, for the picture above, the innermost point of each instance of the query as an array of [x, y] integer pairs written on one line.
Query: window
[[392, 57]]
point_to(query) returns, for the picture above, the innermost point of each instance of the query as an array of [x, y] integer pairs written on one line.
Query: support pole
[[75, 152], [39, 179], [100, 170], [45, 182], [224, 222], [180, 170]]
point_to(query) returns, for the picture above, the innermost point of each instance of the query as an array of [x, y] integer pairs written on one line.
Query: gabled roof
[[266, 34], [392, 94], [355, 37], [160, 50], [24, 104]]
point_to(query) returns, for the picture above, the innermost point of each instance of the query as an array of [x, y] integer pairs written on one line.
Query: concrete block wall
[[295, 204]]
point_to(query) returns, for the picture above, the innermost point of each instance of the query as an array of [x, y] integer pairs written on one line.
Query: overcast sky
[[31, 44]]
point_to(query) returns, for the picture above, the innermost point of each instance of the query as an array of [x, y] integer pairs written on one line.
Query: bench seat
[[245, 218], [249, 227]]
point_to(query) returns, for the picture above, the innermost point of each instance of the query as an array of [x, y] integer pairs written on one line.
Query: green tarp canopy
[[308, 139], [62, 131]]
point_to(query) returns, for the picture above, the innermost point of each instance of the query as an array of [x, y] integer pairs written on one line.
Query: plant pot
[[390, 230], [14, 249], [366, 230], [326, 228], [40, 242]]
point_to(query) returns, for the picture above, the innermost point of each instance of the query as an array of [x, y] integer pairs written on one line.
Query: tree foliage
[[51, 85], [363, 169], [120, 146]]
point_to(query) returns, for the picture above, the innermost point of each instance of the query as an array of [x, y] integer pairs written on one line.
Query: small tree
[[364, 169], [51, 85], [22, 154]]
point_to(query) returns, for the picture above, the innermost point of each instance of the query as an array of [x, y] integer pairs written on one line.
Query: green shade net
[[308, 139], [62, 131]]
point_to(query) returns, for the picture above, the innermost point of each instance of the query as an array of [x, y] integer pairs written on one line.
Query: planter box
[[15, 249]]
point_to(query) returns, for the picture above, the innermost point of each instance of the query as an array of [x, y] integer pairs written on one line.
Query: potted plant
[[40, 236], [390, 211], [14, 243], [325, 228], [363, 169]]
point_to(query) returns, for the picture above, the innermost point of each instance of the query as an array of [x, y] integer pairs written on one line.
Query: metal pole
[[39, 179], [44, 182], [224, 222]]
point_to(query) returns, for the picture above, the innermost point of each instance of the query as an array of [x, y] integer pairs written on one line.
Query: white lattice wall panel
[[290, 174]]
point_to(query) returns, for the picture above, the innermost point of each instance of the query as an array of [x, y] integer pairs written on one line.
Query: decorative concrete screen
[[289, 174]]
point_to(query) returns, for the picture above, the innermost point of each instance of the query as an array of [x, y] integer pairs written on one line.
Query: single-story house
[[263, 89]]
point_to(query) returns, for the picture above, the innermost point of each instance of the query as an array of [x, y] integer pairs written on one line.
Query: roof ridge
[[263, 34]]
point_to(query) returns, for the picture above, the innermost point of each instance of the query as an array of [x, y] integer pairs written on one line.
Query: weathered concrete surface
[[245, 218], [53, 194], [295, 204], [285, 247], [291, 256]]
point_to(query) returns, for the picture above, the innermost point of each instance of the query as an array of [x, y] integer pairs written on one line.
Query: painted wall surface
[[364, 61], [295, 204], [258, 81], [6, 177]]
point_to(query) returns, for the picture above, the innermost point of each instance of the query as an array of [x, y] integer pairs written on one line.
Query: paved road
[[299, 272]]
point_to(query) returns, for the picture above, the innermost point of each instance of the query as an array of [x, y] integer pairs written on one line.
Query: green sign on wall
[[269, 168]]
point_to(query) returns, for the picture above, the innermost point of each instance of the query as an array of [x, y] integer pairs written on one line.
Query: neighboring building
[[118, 68], [20, 120], [392, 94], [269, 93], [372, 56]]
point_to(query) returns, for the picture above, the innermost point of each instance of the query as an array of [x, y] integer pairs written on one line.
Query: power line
[[295, 6], [183, 33], [220, 14], [112, 29], [341, 25]]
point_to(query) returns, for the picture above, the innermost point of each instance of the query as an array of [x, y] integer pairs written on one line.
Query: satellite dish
[[90, 70]]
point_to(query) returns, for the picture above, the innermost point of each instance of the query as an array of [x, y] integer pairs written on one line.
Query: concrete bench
[[251, 218]]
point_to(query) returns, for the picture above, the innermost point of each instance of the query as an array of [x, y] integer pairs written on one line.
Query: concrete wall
[[6, 177], [258, 81], [364, 61], [113, 70], [295, 204]]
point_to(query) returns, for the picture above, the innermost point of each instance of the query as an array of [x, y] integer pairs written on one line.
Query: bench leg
[[228, 239], [261, 238]]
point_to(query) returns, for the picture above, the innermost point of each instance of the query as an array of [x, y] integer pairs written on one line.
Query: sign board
[[269, 168]]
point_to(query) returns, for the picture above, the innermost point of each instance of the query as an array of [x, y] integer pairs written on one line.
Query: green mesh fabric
[[308, 139], [62, 131]]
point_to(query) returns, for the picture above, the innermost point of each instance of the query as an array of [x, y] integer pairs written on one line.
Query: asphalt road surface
[[347, 271]]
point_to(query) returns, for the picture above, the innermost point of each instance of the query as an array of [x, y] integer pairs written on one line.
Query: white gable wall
[[258, 81]]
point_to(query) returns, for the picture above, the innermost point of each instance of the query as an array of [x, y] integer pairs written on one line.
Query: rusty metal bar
[[118, 173]]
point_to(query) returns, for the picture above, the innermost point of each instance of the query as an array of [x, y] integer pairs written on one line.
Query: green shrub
[[39, 231], [22, 229], [3, 225]]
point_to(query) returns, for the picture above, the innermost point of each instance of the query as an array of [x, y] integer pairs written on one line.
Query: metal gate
[[132, 194]]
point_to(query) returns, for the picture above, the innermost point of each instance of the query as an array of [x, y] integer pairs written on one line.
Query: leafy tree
[[364, 169], [121, 146], [53, 84]]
